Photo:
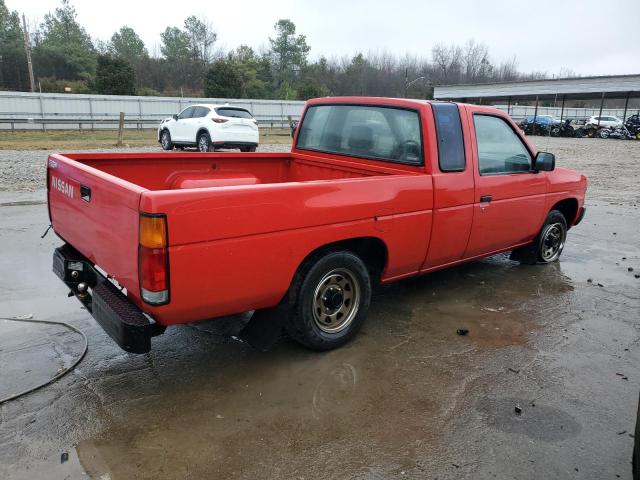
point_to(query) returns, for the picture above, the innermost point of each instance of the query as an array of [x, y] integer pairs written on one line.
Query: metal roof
[[614, 86]]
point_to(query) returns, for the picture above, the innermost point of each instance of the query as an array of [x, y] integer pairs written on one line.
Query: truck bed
[[95, 201], [193, 170]]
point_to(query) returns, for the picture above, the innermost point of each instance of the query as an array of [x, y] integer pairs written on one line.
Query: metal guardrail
[[32, 111], [91, 123]]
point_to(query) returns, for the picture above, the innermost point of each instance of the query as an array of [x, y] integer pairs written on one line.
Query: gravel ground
[[24, 170], [612, 166]]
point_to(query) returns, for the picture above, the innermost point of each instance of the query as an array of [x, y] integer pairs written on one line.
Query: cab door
[[509, 202], [182, 127], [453, 186]]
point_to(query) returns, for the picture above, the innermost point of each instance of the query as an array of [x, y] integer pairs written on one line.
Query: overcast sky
[[590, 37]]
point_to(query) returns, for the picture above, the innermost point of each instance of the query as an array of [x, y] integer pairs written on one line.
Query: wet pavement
[[409, 398]]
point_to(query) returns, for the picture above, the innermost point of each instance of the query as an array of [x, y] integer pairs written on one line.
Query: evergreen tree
[[114, 76]]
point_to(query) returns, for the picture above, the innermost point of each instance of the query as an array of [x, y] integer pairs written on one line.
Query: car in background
[[210, 127], [604, 121], [540, 124]]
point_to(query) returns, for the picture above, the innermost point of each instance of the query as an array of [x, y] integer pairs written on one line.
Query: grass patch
[[87, 139]]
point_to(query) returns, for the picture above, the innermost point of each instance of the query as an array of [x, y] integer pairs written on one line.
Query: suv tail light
[[220, 120], [153, 259]]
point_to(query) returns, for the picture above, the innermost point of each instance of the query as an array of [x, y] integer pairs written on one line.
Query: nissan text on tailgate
[[373, 190]]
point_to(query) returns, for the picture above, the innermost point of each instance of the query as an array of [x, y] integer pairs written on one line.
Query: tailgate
[[97, 214]]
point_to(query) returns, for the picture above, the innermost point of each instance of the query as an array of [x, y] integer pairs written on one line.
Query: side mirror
[[175, 117], [294, 127], [545, 162]]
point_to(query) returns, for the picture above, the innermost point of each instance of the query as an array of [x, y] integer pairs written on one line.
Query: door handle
[[485, 198]]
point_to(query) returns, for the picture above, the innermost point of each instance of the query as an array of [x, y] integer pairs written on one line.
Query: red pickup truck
[[373, 190]]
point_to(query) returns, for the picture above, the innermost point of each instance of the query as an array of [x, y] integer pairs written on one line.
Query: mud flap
[[265, 327], [526, 255]]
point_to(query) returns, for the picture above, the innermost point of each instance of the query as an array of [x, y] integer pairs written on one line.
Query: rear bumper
[[235, 144], [123, 321]]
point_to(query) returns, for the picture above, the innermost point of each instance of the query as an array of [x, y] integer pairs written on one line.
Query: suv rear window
[[233, 113], [367, 131]]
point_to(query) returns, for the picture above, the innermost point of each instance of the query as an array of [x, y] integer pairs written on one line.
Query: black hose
[[59, 374]]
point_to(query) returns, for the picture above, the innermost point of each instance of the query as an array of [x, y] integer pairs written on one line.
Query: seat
[[361, 139]]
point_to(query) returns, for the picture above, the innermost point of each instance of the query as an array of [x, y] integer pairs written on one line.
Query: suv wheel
[[165, 140], [330, 297], [204, 142]]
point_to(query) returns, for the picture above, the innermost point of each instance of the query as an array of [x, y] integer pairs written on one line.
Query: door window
[[500, 150], [200, 112], [187, 113]]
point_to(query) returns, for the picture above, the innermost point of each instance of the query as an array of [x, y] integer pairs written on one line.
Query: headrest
[[361, 137]]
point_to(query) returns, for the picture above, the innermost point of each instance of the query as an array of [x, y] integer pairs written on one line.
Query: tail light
[[153, 259], [220, 120]]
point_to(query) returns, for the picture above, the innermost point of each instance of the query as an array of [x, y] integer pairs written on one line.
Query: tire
[[248, 149], [165, 140], [552, 237], [329, 297], [204, 143], [604, 133]]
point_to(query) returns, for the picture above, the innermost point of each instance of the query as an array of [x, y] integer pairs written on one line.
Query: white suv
[[209, 127], [605, 121]]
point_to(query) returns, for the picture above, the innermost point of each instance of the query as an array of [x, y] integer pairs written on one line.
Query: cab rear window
[[367, 131]]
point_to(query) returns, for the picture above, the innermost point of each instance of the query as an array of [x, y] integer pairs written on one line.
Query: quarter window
[[449, 132], [500, 150], [378, 133]]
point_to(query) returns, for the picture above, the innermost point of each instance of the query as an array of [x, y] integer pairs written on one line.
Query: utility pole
[[27, 49]]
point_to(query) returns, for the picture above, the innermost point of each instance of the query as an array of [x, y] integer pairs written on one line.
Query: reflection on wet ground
[[408, 399]]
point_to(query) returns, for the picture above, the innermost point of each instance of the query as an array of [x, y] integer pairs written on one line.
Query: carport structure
[[562, 89]]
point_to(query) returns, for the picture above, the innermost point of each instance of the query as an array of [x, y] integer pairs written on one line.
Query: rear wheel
[[248, 149], [204, 142], [165, 140], [330, 297], [604, 133]]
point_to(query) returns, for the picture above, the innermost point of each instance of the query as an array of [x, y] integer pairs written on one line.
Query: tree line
[[66, 58]]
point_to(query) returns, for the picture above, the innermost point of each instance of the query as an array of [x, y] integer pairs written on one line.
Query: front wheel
[[204, 142], [604, 133], [330, 298], [165, 140], [248, 149], [552, 237]]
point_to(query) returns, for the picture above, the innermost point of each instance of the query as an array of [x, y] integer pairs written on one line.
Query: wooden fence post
[[120, 129]]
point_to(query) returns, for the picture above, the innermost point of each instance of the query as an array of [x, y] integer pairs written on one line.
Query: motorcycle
[[633, 125], [565, 129], [616, 132]]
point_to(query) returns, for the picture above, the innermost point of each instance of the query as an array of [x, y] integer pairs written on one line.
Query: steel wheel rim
[[202, 144], [553, 240], [165, 139], [336, 300]]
